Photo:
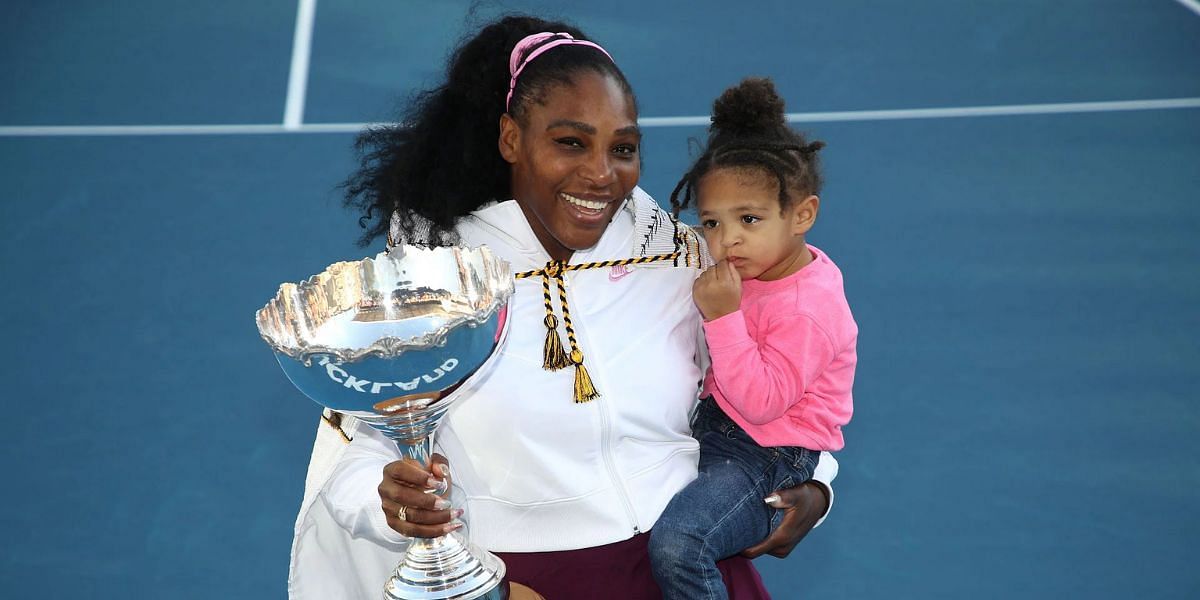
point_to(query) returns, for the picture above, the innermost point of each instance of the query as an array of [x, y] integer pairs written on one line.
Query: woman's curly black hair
[[440, 161], [749, 132]]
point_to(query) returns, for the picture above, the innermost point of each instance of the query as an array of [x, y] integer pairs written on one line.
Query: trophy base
[[446, 568]]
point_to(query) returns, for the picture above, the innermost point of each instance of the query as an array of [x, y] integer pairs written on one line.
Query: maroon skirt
[[620, 570]]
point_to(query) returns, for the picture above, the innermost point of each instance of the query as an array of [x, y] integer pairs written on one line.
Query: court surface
[[1012, 196]]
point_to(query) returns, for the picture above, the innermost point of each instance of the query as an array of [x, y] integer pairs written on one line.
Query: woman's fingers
[[408, 472], [409, 501], [803, 506], [405, 485], [412, 497], [419, 522], [439, 466]]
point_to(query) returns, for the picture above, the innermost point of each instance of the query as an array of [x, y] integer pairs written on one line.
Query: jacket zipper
[[612, 469], [605, 445]]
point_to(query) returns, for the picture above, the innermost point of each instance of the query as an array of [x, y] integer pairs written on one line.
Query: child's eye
[[750, 219], [709, 224]]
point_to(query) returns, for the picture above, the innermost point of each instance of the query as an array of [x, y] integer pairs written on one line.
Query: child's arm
[[763, 381]]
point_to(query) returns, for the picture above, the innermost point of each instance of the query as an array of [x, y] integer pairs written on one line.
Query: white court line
[[813, 117], [136, 130], [944, 113], [1192, 5], [293, 111]]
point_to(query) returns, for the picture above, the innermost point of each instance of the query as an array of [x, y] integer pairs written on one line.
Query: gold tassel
[[553, 355], [584, 390]]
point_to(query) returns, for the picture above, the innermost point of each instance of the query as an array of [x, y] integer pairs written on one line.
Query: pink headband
[[516, 65]]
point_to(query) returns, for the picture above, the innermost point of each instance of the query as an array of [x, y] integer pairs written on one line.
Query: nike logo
[[618, 272]]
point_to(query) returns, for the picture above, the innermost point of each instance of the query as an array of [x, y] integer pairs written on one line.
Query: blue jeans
[[722, 512]]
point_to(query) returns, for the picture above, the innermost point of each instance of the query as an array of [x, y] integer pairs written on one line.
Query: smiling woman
[[423, 177], [574, 161], [531, 147]]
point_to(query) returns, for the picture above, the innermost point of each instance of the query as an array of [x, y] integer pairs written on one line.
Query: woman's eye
[[625, 150], [750, 219], [570, 142]]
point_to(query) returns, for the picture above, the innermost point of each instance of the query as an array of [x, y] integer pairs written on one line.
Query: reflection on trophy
[[385, 340]]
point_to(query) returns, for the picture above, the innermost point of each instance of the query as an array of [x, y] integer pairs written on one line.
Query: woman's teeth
[[588, 204]]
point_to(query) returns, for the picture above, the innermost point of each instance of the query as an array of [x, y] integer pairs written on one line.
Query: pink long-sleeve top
[[783, 363]]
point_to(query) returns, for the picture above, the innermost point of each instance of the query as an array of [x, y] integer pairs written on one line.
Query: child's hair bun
[[751, 108]]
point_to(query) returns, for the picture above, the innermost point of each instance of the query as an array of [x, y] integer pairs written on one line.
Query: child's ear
[[804, 214], [510, 138]]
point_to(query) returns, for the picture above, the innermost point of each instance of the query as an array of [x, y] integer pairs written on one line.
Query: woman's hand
[[803, 506], [408, 484]]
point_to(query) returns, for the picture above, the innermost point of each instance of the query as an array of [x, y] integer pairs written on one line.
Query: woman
[[566, 448]]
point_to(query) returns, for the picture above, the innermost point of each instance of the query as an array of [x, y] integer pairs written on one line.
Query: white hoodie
[[533, 470]]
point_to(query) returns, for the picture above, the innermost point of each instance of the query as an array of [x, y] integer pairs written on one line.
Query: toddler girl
[[779, 331]]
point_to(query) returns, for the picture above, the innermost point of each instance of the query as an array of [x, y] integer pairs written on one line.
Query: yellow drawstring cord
[[554, 355]]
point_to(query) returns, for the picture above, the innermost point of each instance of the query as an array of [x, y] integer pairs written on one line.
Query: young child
[[779, 331]]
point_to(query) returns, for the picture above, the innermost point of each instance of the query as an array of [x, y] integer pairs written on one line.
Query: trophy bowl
[[385, 340]]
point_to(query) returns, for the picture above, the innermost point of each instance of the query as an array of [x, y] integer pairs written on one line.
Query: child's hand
[[718, 291]]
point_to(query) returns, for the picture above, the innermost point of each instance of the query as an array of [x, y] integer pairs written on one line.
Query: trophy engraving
[[385, 340]]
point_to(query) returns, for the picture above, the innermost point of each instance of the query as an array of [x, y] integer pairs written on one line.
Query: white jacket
[[534, 470]]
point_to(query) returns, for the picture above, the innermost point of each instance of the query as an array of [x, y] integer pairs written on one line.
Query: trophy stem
[[421, 451], [447, 567], [418, 450]]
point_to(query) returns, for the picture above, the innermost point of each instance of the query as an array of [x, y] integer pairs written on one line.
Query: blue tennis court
[[1011, 193]]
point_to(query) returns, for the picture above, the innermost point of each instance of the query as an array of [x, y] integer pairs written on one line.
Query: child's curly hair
[[749, 132]]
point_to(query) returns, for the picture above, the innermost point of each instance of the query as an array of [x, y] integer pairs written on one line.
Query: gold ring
[[402, 513]]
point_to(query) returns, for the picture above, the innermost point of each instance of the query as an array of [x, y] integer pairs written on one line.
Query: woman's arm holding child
[[805, 507]]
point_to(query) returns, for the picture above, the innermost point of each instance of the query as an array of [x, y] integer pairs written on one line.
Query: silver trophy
[[385, 340]]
